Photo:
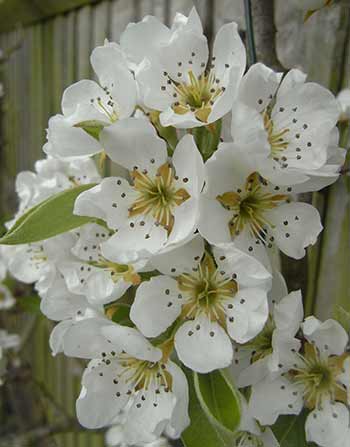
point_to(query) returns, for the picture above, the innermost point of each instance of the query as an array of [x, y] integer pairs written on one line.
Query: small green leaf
[[204, 430], [121, 315], [92, 127], [218, 398], [207, 138], [47, 219], [290, 430]]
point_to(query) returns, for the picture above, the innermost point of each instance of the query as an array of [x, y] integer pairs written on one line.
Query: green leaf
[[92, 127], [47, 219], [290, 430], [204, 429], [219, 399], [207, 138]]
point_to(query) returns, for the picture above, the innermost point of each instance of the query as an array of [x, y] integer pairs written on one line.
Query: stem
[[252, 59]]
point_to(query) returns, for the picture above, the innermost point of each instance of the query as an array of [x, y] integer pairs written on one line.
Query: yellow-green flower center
[[319, 375], [158, 196], [249, 206], [197, 95], [206, 291]]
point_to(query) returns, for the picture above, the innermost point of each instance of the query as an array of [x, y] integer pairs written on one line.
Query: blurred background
[[45, 46]]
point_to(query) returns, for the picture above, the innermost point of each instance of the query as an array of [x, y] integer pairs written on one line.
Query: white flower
[[213, 298], [250, 434], [38, 262], [174, 73], [87, 103], [160, 207], [239, 205], [128, 374], [344, 101], [94, 276], [272, 351], [286, 126], [318, 380]]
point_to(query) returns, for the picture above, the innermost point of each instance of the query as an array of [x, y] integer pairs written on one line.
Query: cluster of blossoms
[[174, 267]]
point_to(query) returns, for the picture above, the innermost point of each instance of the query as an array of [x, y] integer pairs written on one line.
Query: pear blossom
[[127, 373], [212, 297], [273, 350], [38, 262], [159, 207], [286, 125], [94, 276], [238, 205], [88, 105], [318, 380], [174, 73]]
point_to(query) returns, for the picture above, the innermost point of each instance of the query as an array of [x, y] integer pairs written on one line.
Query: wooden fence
[[54, 40]]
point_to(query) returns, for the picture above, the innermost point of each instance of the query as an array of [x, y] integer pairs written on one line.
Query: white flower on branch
[[159, 208], [287, 126], [238, 205], [212, 298], [128, 374], [175, 75], [87, 104]]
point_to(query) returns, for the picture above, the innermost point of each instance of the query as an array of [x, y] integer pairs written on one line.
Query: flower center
[[249, 207], [319, 377], [143, 373], [276, 138], [117, 271], [158, 196], [206, 291], [197, 95]]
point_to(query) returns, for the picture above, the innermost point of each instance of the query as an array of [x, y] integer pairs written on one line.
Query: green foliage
[[214, 410], [47, 219], [30, 304], [92, 127], [290, 430]]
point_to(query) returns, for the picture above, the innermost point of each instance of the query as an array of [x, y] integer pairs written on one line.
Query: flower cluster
[[173, 268]]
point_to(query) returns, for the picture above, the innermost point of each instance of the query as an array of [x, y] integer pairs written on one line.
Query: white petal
[[138, 239], [68, 141], [229, 50], [189, 165], [142, 39], [180, 418], [98, 403], [181, 259], [329, 336], [248, 314], [269, 399], [203, 345], [84, 339], [131, 341], [186, 218], [288, 314], [134, 142], [278, 290], [157, 305], [329, 425], [296, 226], [57, 336], [186, 51], [258, 86], [110, 201], [186, 121], [213, 221], [110, 66], [248, 271]]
